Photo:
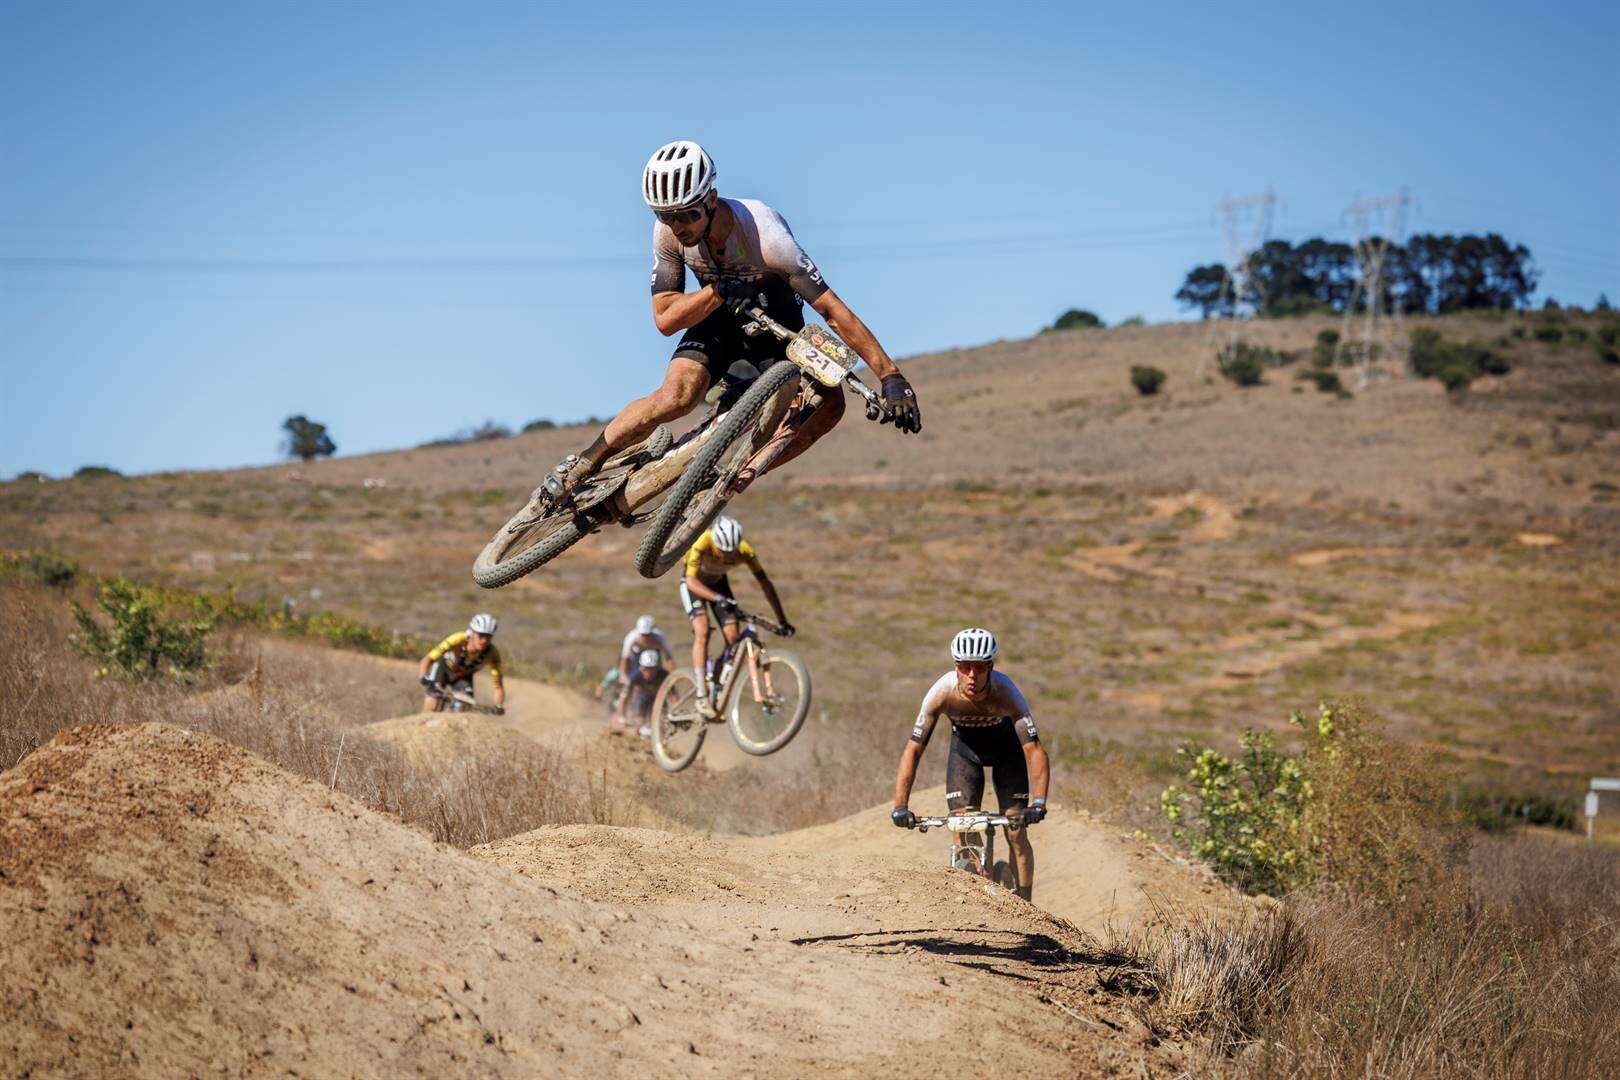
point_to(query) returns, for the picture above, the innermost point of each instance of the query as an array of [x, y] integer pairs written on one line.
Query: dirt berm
[[174, 905]]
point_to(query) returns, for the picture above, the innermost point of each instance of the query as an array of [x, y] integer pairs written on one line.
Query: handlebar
[[759, 620], [965, 822], [756, 321]]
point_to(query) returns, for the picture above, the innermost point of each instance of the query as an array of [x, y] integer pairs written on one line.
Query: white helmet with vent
[[650, 658], [678, 175], [645, 625], [974, 645], [727, 533], [482, 623]]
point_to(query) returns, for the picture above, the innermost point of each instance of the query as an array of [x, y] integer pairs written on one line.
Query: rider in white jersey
[[991, 728], [743, 254]]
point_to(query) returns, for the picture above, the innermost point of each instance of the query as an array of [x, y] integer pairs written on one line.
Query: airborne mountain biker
[[742, 253], [991, 727], [706, 591]]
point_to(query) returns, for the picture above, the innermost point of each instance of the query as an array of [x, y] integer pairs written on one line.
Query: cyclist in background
[[706, 592], [991, 728], [450, 664], [639, 690]]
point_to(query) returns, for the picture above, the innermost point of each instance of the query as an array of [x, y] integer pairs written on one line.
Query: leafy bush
[[1327, 381], [95, 472], [1549, 333], [1496, 811], [539, 425], [1147, 379], [1134, 320], [1245, 364], [1455, 364], [1352, 808], [1609, 334], [1609, 356], [141, 643], [31, 474], [45, 567], [1075, 319], [485, 432]]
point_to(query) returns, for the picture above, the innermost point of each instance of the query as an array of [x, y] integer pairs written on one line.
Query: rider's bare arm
[[677, 311], [906, 775], [771, 598], [1040, 769], [848, 326]]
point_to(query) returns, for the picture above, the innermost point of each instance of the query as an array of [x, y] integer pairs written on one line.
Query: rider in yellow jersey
[[706, 590], [451, 662]]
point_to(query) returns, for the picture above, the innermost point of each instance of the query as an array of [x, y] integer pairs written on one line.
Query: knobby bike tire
[[668, 759], [772, 658], [491, 570], [672, 532]]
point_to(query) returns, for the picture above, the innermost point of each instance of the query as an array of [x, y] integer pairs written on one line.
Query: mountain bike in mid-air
[[697, 470], [762, 694], [462, 701], [973, 842]]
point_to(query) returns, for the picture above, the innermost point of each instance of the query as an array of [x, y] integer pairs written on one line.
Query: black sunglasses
[[682, 217]]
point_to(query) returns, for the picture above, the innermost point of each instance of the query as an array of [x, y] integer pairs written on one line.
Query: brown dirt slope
[[175, 905]]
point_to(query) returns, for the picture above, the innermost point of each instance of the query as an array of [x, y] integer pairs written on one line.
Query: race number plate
[[826, 358]]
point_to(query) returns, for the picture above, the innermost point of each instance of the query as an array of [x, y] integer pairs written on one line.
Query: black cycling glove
[[788, 629], [1035, 813], [739, 296], [427, 680], [902, 402], [903, 817]]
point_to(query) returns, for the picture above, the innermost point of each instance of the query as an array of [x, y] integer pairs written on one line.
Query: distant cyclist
[[991, 728], [706, 591], [742, 253], [639, 690], [644, 635], [450, 664]]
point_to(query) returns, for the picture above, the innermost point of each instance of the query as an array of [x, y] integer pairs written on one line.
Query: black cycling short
[[718, 341], [997, 749], [718, 616], [440, 676]]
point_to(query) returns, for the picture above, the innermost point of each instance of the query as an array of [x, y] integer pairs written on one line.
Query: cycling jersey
[[710, 565], [634, 643], [760, 248], [452, 652], [987, 733]]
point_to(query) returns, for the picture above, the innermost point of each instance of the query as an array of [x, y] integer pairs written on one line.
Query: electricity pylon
[[1245, 225], [1376, 225]]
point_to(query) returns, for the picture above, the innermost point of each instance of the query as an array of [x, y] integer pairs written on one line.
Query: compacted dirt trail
[[176, 905]]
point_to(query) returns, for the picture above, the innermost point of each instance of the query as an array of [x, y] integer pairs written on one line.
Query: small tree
[[1075, 319], [95, 472], [306, 440], [1147, 379], [141, 643], [1243, 363]]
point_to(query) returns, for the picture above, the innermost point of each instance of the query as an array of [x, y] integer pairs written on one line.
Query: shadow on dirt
[[1009, 953]]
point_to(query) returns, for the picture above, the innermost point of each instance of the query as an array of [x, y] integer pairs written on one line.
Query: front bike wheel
[[704, 488], [764, 727], [677, 726]]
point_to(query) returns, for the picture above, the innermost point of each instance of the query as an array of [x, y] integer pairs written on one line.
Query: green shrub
[[1455, 364], [1608, 333], [1455, 376], [539, 425], [1497, 811], [30, 474], [1353, 808], [1576, 334], [1609, 356], [95, 472], [45, 567], [1327, 381], [1549, 333], [140, 643], [1147, 379], [1075, 319], [1134, 320], [1518, 332], [1245, 364]]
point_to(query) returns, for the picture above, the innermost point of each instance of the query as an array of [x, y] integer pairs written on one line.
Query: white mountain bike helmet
[[727, 533], [678, 175], [973, 644], [482, 623], [650, 658], [645, 625]]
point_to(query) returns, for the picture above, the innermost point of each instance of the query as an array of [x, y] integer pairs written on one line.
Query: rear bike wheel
[[704, 488], [535, 535], [765, 727], [677, 726]]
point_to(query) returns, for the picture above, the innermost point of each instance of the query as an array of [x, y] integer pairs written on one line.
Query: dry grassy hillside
[[1158, 568]]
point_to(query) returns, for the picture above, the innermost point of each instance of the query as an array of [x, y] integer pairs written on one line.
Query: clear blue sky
[[402, 219]]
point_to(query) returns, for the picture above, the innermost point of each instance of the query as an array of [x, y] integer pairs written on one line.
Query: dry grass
[[284, 704], [1510, 969]]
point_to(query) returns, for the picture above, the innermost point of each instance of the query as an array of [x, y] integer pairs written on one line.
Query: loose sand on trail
[[176, 905]]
